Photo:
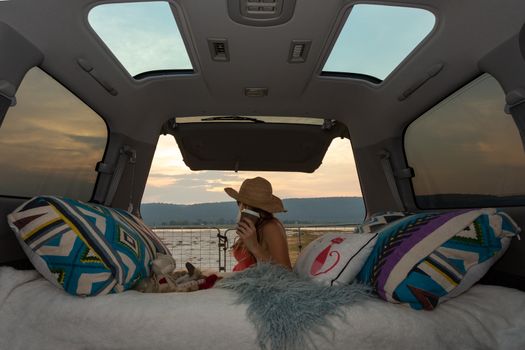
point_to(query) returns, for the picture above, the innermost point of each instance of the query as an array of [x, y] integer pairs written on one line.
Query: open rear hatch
[[254, 143]]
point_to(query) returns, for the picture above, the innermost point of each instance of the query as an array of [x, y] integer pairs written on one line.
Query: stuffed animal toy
[[165, 279]]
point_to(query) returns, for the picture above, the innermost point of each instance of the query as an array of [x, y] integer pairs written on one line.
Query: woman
[[264, 240]]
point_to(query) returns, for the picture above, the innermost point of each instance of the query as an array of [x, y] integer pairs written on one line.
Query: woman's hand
[[248, 234]]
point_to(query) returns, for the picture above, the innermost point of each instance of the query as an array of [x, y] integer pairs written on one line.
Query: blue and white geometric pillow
[[86, 249]]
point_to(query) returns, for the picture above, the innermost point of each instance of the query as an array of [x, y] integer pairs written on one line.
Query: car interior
[[430, 94]]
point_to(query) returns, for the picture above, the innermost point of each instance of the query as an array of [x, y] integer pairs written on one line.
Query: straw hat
[[257, 193]]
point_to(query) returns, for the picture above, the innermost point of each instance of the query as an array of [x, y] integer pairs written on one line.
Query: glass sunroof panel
[[376, 38], [143, 36]]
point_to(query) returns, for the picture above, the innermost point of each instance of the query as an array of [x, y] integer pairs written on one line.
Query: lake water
[[200, 246]]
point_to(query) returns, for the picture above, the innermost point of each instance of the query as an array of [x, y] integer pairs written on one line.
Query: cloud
[[50, 141], [467, 145], [143, 36]]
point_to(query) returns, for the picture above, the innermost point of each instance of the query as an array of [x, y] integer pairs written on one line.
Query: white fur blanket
[[36, 315]]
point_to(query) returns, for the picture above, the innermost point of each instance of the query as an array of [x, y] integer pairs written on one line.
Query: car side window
[[50, 141], [466, 151]]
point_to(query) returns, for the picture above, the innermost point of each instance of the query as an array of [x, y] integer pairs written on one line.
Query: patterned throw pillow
[[427, 258], [335, 258], [86, 249]]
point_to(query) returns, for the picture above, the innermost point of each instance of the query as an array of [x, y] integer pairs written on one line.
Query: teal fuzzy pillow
[[86, 249]]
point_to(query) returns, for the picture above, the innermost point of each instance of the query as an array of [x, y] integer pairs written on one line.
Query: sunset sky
[[50, 141], [467, 144]]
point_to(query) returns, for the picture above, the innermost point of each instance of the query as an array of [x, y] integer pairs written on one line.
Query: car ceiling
[[465, 31]]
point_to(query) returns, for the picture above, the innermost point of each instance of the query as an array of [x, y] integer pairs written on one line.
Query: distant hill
[[331, 210]]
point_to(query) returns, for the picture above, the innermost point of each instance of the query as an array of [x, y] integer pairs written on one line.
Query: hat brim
[[274, 205], [232, 193]]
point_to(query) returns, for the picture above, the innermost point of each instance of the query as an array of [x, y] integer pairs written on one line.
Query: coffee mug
[[250, 215]]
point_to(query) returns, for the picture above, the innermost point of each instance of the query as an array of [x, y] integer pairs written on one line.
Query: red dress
[[244, 258]]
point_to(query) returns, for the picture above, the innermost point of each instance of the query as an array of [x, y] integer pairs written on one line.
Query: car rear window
[[50, 142], [466, 151]]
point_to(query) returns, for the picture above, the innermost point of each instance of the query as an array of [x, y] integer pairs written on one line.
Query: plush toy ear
[[190, 268]]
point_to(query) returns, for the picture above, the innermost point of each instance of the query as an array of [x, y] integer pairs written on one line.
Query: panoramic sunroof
[[143, 36], [376, 38]]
